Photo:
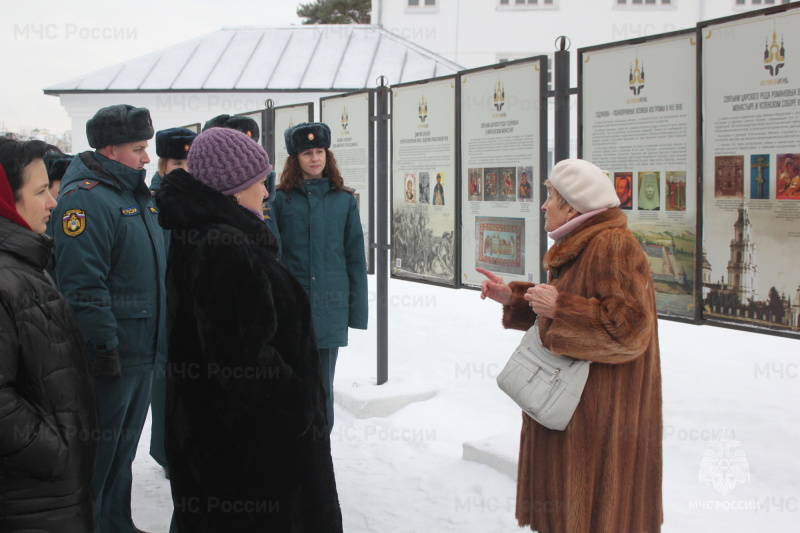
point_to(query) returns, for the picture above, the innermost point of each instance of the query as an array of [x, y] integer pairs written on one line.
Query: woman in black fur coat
[[246, 436]]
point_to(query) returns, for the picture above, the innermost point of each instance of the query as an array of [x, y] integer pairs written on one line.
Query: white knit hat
[[583, 185]]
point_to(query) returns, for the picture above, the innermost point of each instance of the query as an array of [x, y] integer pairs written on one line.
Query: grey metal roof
[[298, 58]]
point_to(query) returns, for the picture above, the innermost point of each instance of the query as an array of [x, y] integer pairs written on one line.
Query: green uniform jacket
[[110, 258], [323, 246]]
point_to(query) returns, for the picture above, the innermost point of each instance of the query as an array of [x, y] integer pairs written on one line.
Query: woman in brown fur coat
[[603, 473]]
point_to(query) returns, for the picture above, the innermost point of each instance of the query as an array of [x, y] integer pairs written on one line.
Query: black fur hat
[[119, 124], [246, 125], [307, 135], [174, 143], [56, 165]]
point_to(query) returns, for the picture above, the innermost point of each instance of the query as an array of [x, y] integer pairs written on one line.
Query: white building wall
[[475, 33]]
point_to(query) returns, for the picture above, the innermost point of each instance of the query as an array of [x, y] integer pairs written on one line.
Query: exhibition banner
[[502, 139], [638, 123], [350, 120], [423, 189], [750, 80], [196, 127]]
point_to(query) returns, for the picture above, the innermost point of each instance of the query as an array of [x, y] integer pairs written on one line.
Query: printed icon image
[[424, 188], [475, 177], [787, 186], [676, 191], [525, 189], [649, 191], [624, 187], [729, 176], [438, 189], [409, 194]]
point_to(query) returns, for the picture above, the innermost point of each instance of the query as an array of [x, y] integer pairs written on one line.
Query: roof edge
[[176, 91], [68, 86]]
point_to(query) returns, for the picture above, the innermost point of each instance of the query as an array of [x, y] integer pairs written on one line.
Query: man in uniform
[[110, 265]]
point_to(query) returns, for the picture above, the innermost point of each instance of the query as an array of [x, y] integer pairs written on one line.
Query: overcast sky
[[45, 42]]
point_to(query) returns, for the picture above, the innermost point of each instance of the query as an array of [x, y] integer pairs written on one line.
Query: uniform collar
[[317, 183], [127, 177], [101, 168]]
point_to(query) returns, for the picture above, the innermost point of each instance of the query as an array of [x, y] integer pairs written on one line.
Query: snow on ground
[[403, 473]]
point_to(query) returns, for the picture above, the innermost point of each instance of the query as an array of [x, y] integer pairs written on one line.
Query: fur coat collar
[[186, 203], [573, 244]]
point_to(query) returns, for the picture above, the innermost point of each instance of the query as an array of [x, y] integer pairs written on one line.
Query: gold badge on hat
[[73, 222], [186, 147], [310, 136], [249, 133]]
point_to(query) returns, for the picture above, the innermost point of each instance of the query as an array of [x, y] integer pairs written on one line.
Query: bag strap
[[534, 338]]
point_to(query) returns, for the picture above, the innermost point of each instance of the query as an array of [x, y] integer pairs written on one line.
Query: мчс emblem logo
[[73, 222], [723, 466]]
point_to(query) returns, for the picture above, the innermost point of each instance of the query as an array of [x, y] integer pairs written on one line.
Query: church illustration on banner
[[736, 297]]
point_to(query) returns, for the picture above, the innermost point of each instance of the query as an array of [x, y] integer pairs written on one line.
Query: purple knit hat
[[227, 160]]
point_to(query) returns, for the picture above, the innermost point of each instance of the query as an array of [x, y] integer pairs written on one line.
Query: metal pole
[[561, 101], [382, 226], [268, 129]]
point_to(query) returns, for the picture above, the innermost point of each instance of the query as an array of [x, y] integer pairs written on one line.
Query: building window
[[421, 6], [530, 3], [504, 58], [644, 2], [758, 3], [511, 5]]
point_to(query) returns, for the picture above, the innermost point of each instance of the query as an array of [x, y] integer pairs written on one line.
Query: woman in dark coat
[[246, 436], [48, 419]]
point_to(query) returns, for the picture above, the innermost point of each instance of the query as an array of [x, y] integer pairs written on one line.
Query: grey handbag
[[547, 387]]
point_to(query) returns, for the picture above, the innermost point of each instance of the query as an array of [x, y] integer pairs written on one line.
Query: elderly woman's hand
[[494, 288], [542, 299]]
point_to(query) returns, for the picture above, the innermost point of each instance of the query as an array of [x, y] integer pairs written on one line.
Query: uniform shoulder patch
[[73, 222], [129, 211], [88, 184]]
